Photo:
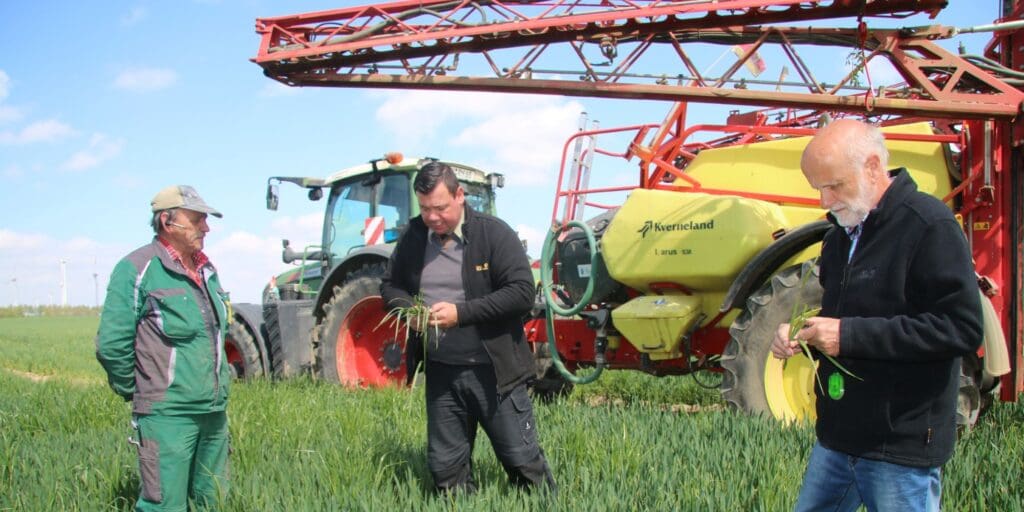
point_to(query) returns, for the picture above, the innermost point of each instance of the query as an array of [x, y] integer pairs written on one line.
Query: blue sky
[[104, 103]]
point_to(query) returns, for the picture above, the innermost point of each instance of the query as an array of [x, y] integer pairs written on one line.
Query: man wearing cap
[[161, 342]]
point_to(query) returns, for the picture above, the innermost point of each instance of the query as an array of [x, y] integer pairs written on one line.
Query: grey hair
[[155, 223], [857, 150]]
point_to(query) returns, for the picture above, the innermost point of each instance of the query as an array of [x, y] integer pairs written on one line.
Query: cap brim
[[203, 209]]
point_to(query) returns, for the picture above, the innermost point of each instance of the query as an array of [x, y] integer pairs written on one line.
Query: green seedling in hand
[[797, 321], [415, 316]]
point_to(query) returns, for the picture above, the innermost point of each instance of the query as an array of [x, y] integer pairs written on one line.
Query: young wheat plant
[[796, 322], [417, 315]]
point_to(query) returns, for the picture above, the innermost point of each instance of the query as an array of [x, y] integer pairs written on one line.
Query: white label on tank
[[583, 270]]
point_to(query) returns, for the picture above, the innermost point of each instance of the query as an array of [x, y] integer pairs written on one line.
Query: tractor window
[[393, 200], [477, 197], [348, 211], [354, 202]]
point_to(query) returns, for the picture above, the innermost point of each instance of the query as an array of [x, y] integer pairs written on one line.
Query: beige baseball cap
[[181, 196]]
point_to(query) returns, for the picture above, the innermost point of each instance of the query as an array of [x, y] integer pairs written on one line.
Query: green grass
[[19, 311], [58, 347], [304, 445]]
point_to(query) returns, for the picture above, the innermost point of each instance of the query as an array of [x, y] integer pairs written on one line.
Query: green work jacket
[[161, 335]]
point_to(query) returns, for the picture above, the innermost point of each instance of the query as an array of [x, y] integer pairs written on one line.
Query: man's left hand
[[444, 315]]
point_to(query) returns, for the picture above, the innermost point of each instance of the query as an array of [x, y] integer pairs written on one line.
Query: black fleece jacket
[[499, 288], [909, 308]]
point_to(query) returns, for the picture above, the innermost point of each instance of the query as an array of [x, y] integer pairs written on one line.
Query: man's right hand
[[783, 347]]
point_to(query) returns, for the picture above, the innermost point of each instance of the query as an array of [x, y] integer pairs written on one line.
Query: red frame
[[575, 342], [980, 204], [383, 45]]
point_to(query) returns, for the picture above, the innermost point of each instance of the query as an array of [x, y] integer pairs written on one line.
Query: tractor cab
[[367, 205], [310, 315]]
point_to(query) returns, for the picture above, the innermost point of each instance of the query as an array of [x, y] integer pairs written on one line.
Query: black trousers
[[459, 398]]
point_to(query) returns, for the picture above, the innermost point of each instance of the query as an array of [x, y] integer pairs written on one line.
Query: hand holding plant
[[797, 321], [416, 317]]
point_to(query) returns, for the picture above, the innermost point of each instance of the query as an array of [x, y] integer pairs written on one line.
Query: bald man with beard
[[900, 309]]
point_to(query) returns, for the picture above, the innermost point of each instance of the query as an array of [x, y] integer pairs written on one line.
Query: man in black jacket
[[473, 273], [900, 308]]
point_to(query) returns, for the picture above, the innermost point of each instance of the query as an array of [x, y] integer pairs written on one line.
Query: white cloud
[[32, 270], [80, 244], [245, 263], [276, 89], [134, 15], [39, 131], [9, 114], [14, 241], [101, 148], [417, 114], [145, 79], [883, 73], [530, 146], [309, 223], [880, 70], [244, 260], [534, 238], [523, 134], [5, 85]]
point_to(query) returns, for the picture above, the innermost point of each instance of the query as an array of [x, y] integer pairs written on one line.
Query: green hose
[[546, 271]]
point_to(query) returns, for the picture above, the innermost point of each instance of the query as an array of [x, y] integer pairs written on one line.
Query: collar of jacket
[[902, 186], [172, 265]]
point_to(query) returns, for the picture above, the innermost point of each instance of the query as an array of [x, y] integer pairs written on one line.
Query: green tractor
[[324, 316]]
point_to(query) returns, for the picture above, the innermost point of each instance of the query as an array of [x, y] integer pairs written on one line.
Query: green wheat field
[[628, 442]]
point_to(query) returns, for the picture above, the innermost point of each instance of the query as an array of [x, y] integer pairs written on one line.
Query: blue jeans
[[837, 482]]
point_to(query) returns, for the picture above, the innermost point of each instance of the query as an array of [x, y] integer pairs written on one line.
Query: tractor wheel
[[754, 381], [353, 346], [549, 384], [242, 353], [279, 366], [969, 399]]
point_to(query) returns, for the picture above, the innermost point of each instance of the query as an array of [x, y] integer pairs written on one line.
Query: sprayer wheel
[[549, 384], [756, 382]]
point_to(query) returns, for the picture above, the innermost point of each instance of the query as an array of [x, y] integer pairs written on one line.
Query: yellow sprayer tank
[[701, 241], [698, 241], [683, 250]]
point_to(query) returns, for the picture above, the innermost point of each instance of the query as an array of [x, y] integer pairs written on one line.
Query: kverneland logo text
[[659, 227]]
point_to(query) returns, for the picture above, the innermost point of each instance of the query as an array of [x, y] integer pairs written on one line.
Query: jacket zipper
[[845, 278], [204, 292], [217, 342]]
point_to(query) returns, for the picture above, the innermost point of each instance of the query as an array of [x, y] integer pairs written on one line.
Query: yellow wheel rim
[[789, 387]]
